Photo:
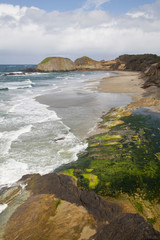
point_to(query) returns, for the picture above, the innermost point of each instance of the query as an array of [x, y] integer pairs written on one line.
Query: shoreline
[[80, 189], [127, 82], [95, 105]]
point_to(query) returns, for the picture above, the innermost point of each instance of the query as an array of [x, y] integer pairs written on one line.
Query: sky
[[31, 30]]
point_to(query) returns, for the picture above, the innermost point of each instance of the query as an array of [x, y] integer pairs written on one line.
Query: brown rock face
[[63, 188], [54, 208], [127, 227], [152, 75], [55, 64], [85, 63], [41, 217]]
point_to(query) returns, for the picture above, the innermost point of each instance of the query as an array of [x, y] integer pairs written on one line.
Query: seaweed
[[125, 160]]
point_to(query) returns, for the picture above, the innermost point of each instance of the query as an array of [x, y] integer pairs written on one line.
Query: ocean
[[45, 117]]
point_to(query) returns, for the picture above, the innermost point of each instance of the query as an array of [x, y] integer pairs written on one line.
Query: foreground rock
[[52, 207]]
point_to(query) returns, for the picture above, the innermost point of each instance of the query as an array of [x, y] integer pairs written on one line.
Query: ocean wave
[[4, 89], [7, 138], [5, 86], [3, 207], [14, 169]]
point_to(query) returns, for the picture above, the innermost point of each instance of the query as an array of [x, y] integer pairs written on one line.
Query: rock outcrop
[[52, 207], [56, 64], [123, 62], [152, 75], [137, 62]]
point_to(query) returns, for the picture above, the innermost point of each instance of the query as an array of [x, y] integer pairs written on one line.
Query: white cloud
[[30, 34], [94, 3]]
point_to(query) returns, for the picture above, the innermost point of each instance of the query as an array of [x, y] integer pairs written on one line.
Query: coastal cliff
[[56, 64], [148, 64], [152, 75]]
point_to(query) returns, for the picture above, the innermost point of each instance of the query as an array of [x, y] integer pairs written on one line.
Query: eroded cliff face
[[124, 62], [152, 75], [55, 64]]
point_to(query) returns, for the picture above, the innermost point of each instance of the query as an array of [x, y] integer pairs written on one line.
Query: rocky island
[[112, 191]]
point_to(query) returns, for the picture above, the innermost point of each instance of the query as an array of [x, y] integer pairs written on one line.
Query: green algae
[[89, 170], [158, 155], [125, 161], [93, 180], [111, 143], [107, 137], [94, 145], [69, 172]]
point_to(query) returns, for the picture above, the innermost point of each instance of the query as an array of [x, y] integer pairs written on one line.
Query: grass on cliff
[[125, 160], [46, 60]]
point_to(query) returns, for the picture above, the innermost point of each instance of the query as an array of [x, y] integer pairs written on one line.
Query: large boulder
[[56, 64]]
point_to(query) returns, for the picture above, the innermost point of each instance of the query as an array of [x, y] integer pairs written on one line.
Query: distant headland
[[148, 64]]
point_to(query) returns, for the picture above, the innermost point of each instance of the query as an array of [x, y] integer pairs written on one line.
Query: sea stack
[[56, 64]]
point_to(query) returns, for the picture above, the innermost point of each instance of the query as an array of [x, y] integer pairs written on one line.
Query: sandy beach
[[124, 82]]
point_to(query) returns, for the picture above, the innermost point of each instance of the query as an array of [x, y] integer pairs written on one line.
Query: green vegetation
[[152, 220], [124, 161], [84, 60], [139, 207], [69, 172], [93, 180], [46, 60], [139, 62], [58, 203]]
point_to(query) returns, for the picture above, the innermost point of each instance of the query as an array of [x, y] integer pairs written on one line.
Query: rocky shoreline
[[111, 192], [52, 207], [77, 202]]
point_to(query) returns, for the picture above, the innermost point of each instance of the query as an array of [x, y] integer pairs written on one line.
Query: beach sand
[[124, 82]]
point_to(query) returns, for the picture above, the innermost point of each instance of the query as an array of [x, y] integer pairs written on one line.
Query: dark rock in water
[[127, 227], [59, 139], [29, 70]]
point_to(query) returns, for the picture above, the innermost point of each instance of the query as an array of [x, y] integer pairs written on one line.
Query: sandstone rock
[[40, 217], [54, 64], [63, 187], [85, 63], [52, 207], [152, 75]]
